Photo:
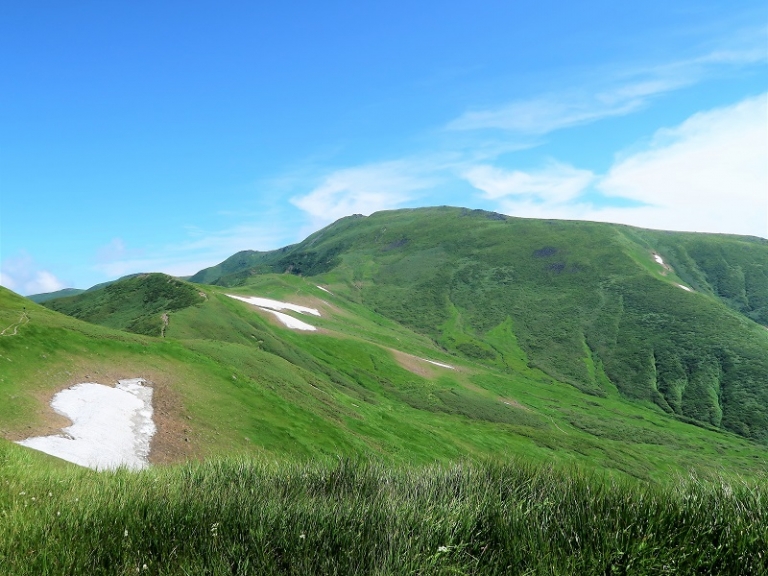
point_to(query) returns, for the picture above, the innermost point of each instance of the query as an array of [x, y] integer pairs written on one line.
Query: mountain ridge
[[604, 308], [729, 270]]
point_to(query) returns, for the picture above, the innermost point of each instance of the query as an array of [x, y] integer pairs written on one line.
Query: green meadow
[[258, 516]]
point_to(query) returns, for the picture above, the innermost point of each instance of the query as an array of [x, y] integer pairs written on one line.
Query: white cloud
[[627, 92], [23, 275], [366, 189], [709, 174], [8, 281], [44, 281], [556, 183]]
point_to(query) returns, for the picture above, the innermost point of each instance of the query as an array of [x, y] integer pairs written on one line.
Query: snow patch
[[658, 259], [111, 427], [685, 288], [290, 321], [275, 304], [275, 307], [325, 290], [438, 364]]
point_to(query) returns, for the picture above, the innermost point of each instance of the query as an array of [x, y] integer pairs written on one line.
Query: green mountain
[[673, 319], [136, 303]]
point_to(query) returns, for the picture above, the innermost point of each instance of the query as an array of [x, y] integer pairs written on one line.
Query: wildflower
[[302, 537], [214, 529], [144, 567], [443, 549], [125, 534]]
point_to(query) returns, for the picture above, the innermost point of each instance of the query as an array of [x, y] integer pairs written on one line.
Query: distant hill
[[249, 260], [136, 303], [40, 298], [67, 292]]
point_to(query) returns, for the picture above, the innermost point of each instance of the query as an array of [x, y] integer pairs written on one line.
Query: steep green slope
[[586, 303], [315, 445], [735, 269], [245, 260]]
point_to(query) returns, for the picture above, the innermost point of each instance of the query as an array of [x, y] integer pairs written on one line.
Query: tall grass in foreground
[[254, 517]]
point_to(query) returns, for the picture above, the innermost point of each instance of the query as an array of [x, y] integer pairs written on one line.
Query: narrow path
[[558, 427], [24, 319], [165, 324]]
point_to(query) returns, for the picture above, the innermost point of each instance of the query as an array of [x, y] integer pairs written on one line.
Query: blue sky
[[166, 136]]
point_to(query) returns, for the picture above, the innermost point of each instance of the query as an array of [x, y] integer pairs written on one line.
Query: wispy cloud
[[23, 275], [710, 174], [626, 92], [369, 188], [547, 113], [555, 183]]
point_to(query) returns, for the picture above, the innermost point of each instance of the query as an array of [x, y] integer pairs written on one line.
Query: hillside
[[136, 303], [230, 379], [667, 318]]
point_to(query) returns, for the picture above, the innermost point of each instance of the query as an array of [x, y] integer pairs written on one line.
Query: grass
[[257, 516]]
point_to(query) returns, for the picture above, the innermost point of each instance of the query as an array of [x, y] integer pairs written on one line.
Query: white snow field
[[111, 427], [658, 259], [685, 288], [275, 307], [290, 321], [275, 304], [325, 290]]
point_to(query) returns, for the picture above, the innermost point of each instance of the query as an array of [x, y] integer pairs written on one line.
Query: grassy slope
[[250, 385]]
